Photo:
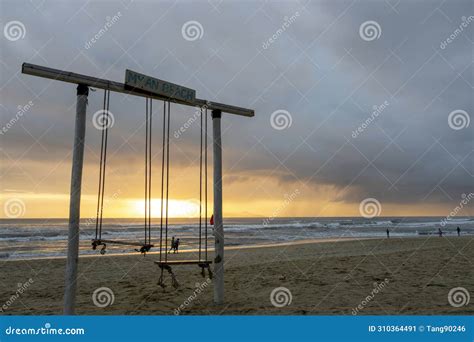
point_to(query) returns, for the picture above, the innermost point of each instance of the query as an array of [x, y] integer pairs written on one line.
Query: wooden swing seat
[[200, 263], [117, 242]]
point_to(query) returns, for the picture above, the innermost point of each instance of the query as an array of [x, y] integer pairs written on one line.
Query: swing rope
[[200, 192], [103, 161], [203, 150], [146, 168], [162, 177], [148, 128], [202, 262], [149, 177], [205, 182], [104, 120], [166, 150]]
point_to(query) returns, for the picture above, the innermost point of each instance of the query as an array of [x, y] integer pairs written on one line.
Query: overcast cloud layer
[[308, 58]]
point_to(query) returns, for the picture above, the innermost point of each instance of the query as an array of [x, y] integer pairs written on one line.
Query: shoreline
[[243, 246], [210, 249]]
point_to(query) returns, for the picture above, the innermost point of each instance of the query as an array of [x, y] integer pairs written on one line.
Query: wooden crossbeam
[[71, 77]]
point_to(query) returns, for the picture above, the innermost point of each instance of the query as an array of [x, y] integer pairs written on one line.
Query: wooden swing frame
[[83, 83]]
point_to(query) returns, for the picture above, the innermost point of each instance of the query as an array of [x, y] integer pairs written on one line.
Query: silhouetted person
[[176, 246], [440, 232], [459, 231], [173, 243], [388, 233]]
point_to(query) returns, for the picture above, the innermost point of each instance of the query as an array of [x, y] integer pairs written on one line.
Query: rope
[[103, 162], [99, 190], [148, 141], [149, 173], [146, 167], [200, 192], [162, 177], [167, 177], [205, 184], [148, 118]]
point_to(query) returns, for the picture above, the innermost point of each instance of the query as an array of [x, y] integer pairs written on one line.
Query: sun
[[177, 208]]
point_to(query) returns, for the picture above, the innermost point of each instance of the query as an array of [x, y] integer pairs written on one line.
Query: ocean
[[41, 238]]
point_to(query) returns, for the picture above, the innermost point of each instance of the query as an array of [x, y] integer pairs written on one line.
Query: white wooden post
[[218, 225], [75, 201]]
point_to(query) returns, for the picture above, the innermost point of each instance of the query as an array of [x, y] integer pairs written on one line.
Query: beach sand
[[411, 275]]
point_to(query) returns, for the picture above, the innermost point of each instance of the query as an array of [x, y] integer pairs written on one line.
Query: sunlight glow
[[177, 208]]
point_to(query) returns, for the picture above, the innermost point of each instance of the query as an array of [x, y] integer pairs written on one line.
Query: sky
[[356, 103]]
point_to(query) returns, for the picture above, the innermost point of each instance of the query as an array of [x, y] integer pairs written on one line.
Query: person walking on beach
[[176, 245], [440, 232], [173, 243], [388, 233], [459, 231]]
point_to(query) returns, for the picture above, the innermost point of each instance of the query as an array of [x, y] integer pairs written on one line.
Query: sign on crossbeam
[[156, 86]]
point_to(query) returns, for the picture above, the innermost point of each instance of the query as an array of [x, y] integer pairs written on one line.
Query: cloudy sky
[[353, 100]]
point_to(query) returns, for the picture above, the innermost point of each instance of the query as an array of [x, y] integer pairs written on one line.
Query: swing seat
[[125, 243], [144, 248], [200, 263]]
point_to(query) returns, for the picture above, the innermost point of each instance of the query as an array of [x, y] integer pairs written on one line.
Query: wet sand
[[371, 276]]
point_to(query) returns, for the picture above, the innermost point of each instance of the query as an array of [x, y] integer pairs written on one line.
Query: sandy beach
[[371, 276]]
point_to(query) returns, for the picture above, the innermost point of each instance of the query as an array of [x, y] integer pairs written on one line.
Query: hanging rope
[[203, 261], [149, 174], [203, 179], [165, 170], [103, 161], [148, 140], [162, 178], [203, 163], [146, 167], [200, 189], [205, 184]]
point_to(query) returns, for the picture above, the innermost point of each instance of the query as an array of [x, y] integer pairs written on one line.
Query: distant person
[[459, 231], [176, 245], [388, 233], [440, 232], [173, 243]]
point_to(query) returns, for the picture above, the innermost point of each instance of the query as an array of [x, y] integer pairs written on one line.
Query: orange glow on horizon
[[176, 208]]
